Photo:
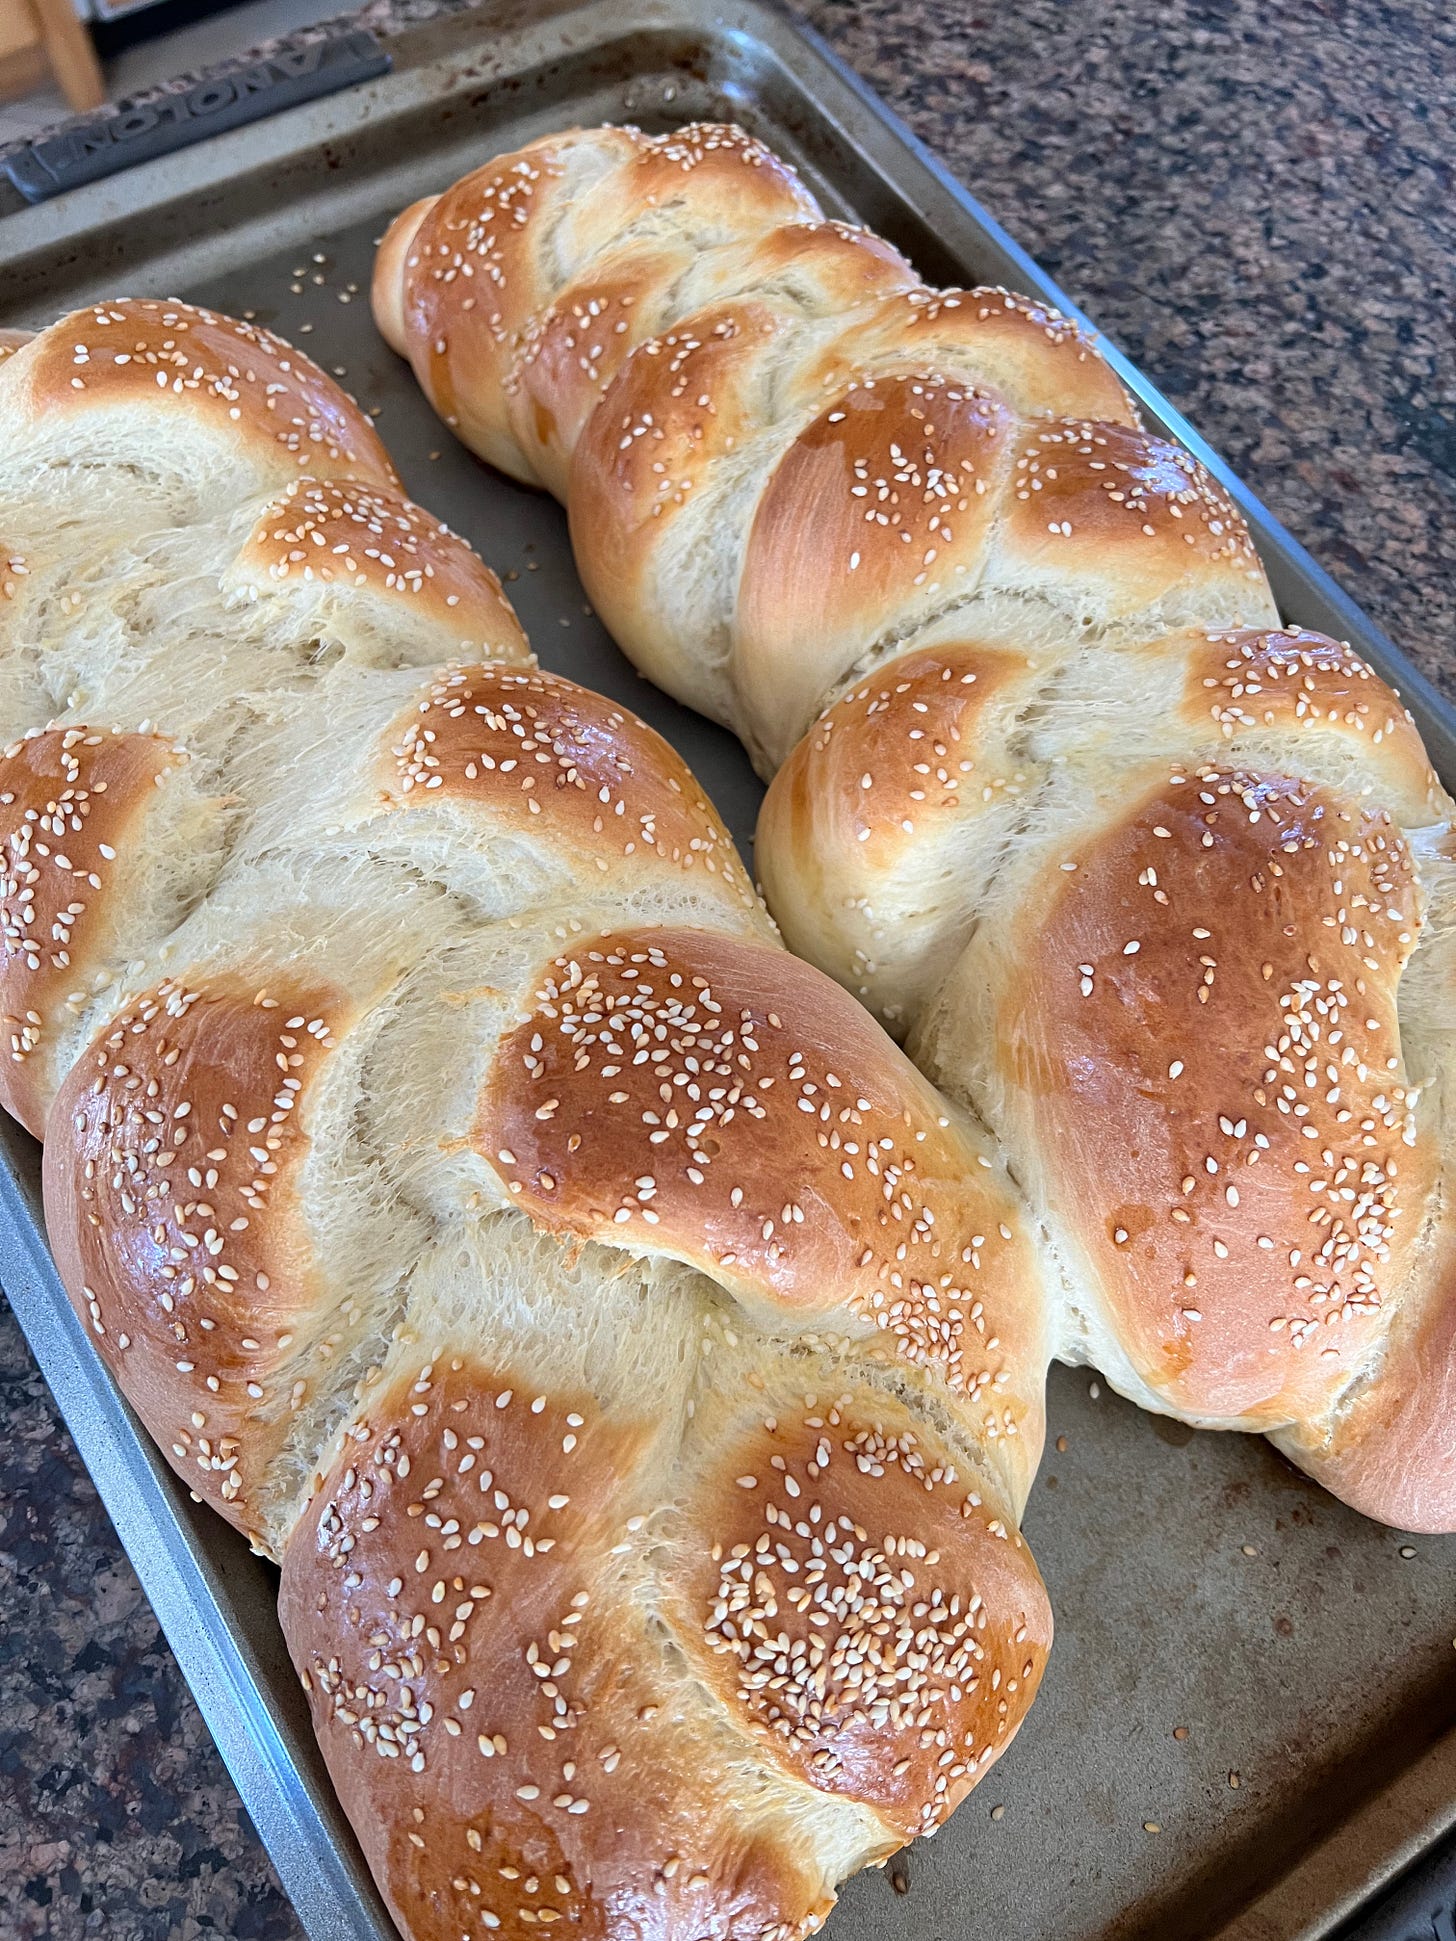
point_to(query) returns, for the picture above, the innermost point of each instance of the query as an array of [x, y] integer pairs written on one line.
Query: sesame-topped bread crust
[[342, 542], [476, 267], [931, 457], [480, 1207], [1233, 1099], [1157, 888], [813, 1622], [549, 755], [892, 805], [495, 1703], [81, 809], [122, 368], [765, 1139], [176, 1206], [1031, 355]]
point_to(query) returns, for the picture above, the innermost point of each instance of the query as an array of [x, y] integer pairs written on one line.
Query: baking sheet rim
[[1353, 1860]]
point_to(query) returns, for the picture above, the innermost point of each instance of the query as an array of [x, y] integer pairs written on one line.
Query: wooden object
[[41, 39]]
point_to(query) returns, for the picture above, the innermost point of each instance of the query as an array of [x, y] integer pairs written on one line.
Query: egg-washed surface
[[299, 840], [822, 526], [1231, 1102], [516, 1746], [177, 1210], [712, 1099], [71, 798], [865, 1604], [71, 1593]]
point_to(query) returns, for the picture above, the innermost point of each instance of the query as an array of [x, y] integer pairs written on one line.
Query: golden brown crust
[[552, 754], [895, 758], [239, 380], [1105, 594], [725, 175], [679, 401], [470, 284], [746, 284], [172, 1203], [1293, 680], [855, 1598], [1205, 1029], [512, 1748], [267, 1240], [71, 800], [862, 839], [695, 1094], [1042, 363], [1392, 1451], [387, 286], [476, 277], [12, 341], [361, 539], [880, 509], [833, 268], [1133, 519], [571, 352]]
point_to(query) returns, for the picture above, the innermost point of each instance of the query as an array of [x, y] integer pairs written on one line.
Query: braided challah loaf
[[1160, 891], [636, 1369]]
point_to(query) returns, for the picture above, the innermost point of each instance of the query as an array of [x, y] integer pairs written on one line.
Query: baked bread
[[635, 1367], [1158, 889]]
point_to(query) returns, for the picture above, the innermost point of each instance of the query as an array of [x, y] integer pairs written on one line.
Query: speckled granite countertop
[[1255, 199]]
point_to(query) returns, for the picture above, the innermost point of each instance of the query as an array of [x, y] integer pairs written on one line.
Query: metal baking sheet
[[1249, 1722], [1422, 1907]]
